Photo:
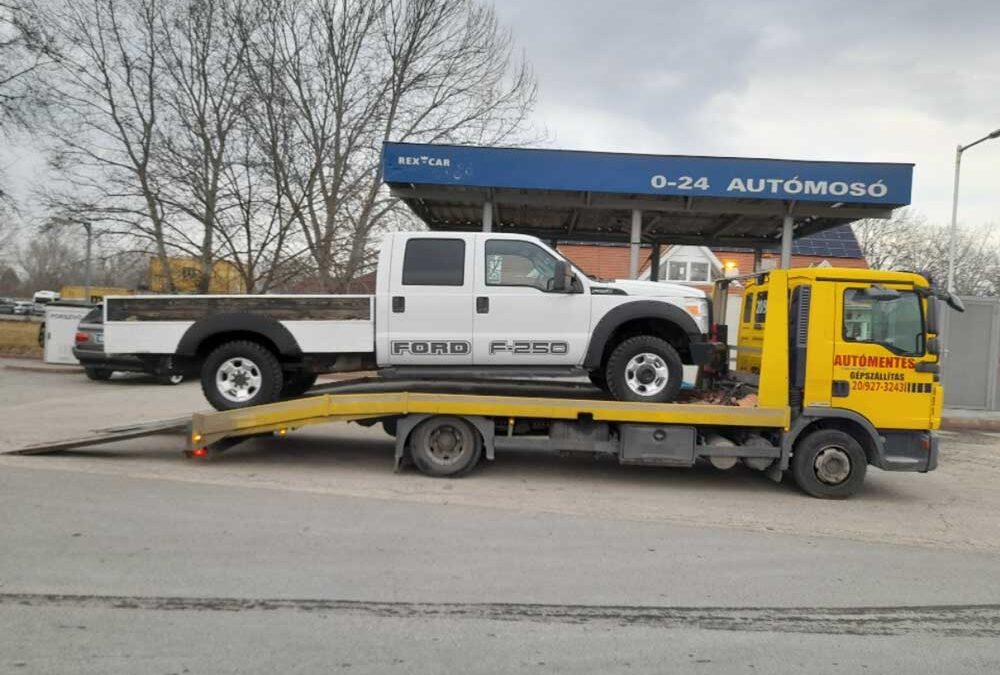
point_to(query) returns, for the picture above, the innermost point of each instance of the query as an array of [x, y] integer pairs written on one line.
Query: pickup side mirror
[[562, 277]]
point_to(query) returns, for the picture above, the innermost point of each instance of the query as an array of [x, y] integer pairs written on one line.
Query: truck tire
[[297, 383], [644, 368], [239, 374], [829, 464], [597, 379], [97, 374], [445, 446]]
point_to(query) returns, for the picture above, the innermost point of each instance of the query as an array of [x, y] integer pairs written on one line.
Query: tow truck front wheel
[[239, 374], [445, 446], [829, 464], [644, 368]]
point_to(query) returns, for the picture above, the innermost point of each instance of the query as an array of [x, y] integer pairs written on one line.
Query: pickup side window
[[518, 263], [747, 307], [897, 325], [434, 262]]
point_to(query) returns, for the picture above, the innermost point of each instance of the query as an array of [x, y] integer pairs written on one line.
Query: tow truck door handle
[[482, 305]]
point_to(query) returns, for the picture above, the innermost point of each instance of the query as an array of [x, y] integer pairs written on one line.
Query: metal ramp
[[110, 435]]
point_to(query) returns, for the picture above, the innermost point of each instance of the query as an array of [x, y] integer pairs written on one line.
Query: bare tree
[[48, 262], [25, 48], [906, 241], [103, 122], [334, 79], [204, 61]]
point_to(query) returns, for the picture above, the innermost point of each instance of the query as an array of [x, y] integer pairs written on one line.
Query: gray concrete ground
[[309, 555]]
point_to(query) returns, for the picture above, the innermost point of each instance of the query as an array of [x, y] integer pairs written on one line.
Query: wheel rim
[[646, 374], [446, 444], [832, 465], [238, 379]]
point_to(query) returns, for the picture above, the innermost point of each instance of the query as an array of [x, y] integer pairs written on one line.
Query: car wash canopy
[[561, 195]]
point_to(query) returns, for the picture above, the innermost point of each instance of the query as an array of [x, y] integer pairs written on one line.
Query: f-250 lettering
[[524, 347], [431, 347]]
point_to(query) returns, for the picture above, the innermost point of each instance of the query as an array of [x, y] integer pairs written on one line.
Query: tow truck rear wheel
[[644, 368], [239, 374], [445, 446], [829, 464]]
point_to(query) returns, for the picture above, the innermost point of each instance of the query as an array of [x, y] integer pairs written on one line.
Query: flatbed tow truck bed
[[546, 416]]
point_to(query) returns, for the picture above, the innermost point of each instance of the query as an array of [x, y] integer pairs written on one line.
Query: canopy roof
[[594, 196]]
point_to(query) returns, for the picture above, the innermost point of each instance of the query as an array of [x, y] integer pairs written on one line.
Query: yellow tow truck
[[835, 370], [843, 363]]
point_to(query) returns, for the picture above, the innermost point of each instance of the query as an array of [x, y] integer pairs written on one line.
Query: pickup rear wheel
[[445, 446], [829, 464], [239, 374], [644, 368], [97, 374]]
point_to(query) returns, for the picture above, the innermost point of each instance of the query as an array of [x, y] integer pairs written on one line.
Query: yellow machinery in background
[[187, 275]]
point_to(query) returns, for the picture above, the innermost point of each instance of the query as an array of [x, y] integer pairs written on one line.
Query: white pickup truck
[[447, 305]]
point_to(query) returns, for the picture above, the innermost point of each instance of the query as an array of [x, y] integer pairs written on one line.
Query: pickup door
[[519, 319], [430, 298]]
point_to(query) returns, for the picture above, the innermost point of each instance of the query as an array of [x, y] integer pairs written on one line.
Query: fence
[[971, 362]]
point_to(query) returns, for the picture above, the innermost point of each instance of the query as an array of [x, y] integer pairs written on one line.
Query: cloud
[[900, 81]]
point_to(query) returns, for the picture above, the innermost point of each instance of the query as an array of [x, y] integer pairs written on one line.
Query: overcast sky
[[894, 81]]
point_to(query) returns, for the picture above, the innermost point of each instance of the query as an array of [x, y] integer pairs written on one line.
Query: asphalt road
[[309, 555]]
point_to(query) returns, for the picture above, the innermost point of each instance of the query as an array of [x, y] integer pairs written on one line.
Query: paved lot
[[308, 554]]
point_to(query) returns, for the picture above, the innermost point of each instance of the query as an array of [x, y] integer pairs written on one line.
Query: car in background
[[23, 307], [6, 306], [99, 365]]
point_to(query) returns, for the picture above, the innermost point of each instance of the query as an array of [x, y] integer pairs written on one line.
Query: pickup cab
[[447, 305]]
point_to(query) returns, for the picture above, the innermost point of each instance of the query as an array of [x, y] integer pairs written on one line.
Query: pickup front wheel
[[239, 374], [644, 368]]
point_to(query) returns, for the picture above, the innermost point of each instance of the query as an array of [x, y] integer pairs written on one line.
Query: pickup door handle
[[398, 304], [482, 305]]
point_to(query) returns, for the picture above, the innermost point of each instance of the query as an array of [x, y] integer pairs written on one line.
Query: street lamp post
[[954, 205], [86, 274]]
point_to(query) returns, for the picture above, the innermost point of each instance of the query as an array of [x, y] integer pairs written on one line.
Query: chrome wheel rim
[[238, 379], [832, 465], [646, 374]]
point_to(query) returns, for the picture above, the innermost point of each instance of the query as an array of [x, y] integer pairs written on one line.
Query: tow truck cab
[[851, 349]]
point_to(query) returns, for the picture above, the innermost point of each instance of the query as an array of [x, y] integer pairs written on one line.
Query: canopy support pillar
[[654, 262], [487, 216], [786, 241], [635, 240]]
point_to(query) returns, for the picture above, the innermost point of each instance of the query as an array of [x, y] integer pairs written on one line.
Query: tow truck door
[[882, 368]]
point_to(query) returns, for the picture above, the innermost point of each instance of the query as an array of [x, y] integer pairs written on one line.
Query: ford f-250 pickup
[[447, 305]]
